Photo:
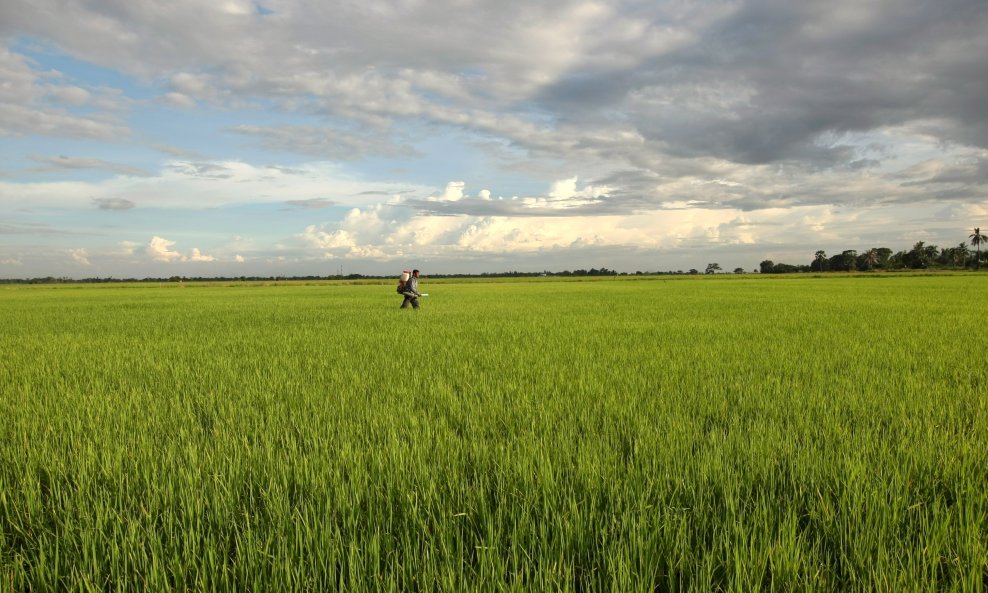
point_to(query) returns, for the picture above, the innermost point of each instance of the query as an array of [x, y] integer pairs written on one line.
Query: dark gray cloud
[[775, 79], [311, 204], [755, 81], [113, 203], [75, 163]]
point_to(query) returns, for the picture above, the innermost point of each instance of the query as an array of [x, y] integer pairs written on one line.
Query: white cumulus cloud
[[196, 255], [452, 193], [160, 249], [80, 256]]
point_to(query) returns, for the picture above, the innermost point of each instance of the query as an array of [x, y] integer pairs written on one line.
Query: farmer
[[412, 291]]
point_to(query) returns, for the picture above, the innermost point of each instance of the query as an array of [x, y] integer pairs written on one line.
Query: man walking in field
[[412, 291]]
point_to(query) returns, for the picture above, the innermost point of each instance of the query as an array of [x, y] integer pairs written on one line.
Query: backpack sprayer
[[405, 275]]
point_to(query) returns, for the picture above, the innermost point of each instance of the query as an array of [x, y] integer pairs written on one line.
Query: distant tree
[[916, 257], [921, 256], [766, 267], [961, 253], [944, 257], [739, 270], [870, 259], [977, 239], [884, 254], [952, 256], [850, 259], [898, 260], [819, 261], [694, 271], [712, 268], [844, 261]]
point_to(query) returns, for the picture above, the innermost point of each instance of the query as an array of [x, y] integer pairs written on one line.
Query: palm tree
[[871, 258], [917, 256], [960, 253], [977, 239]]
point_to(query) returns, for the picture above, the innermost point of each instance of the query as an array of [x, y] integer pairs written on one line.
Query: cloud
[[179, 100], [361, 233], [207, 170], [471, 237], [159, 250], [972, 170], [562, 199], [80, 256], [327, 143], [28, 105], [563, 189], [113, 203], [452, 193], [65, 162], [752, 82], [31, 229], [178, 152], [70, 95], [209, 184], [386, 232], [126, 248], [196, 255], [194, 85], [311, 203]]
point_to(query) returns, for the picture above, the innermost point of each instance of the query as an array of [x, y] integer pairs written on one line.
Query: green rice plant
[[627, 434]]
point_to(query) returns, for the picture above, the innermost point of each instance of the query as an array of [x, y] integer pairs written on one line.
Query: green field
[[730, 433]]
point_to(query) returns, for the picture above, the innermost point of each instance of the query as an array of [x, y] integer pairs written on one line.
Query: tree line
[[920, 257]]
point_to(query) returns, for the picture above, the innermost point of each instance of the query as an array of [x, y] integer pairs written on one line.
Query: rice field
[[729, 433]]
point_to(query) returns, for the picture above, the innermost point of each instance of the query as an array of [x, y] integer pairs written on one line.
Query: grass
[[661, 434]]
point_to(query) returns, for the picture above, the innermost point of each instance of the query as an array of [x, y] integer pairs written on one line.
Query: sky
[[141, 138]]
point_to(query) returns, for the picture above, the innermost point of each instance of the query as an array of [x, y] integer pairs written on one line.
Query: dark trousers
[[410, 298]]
